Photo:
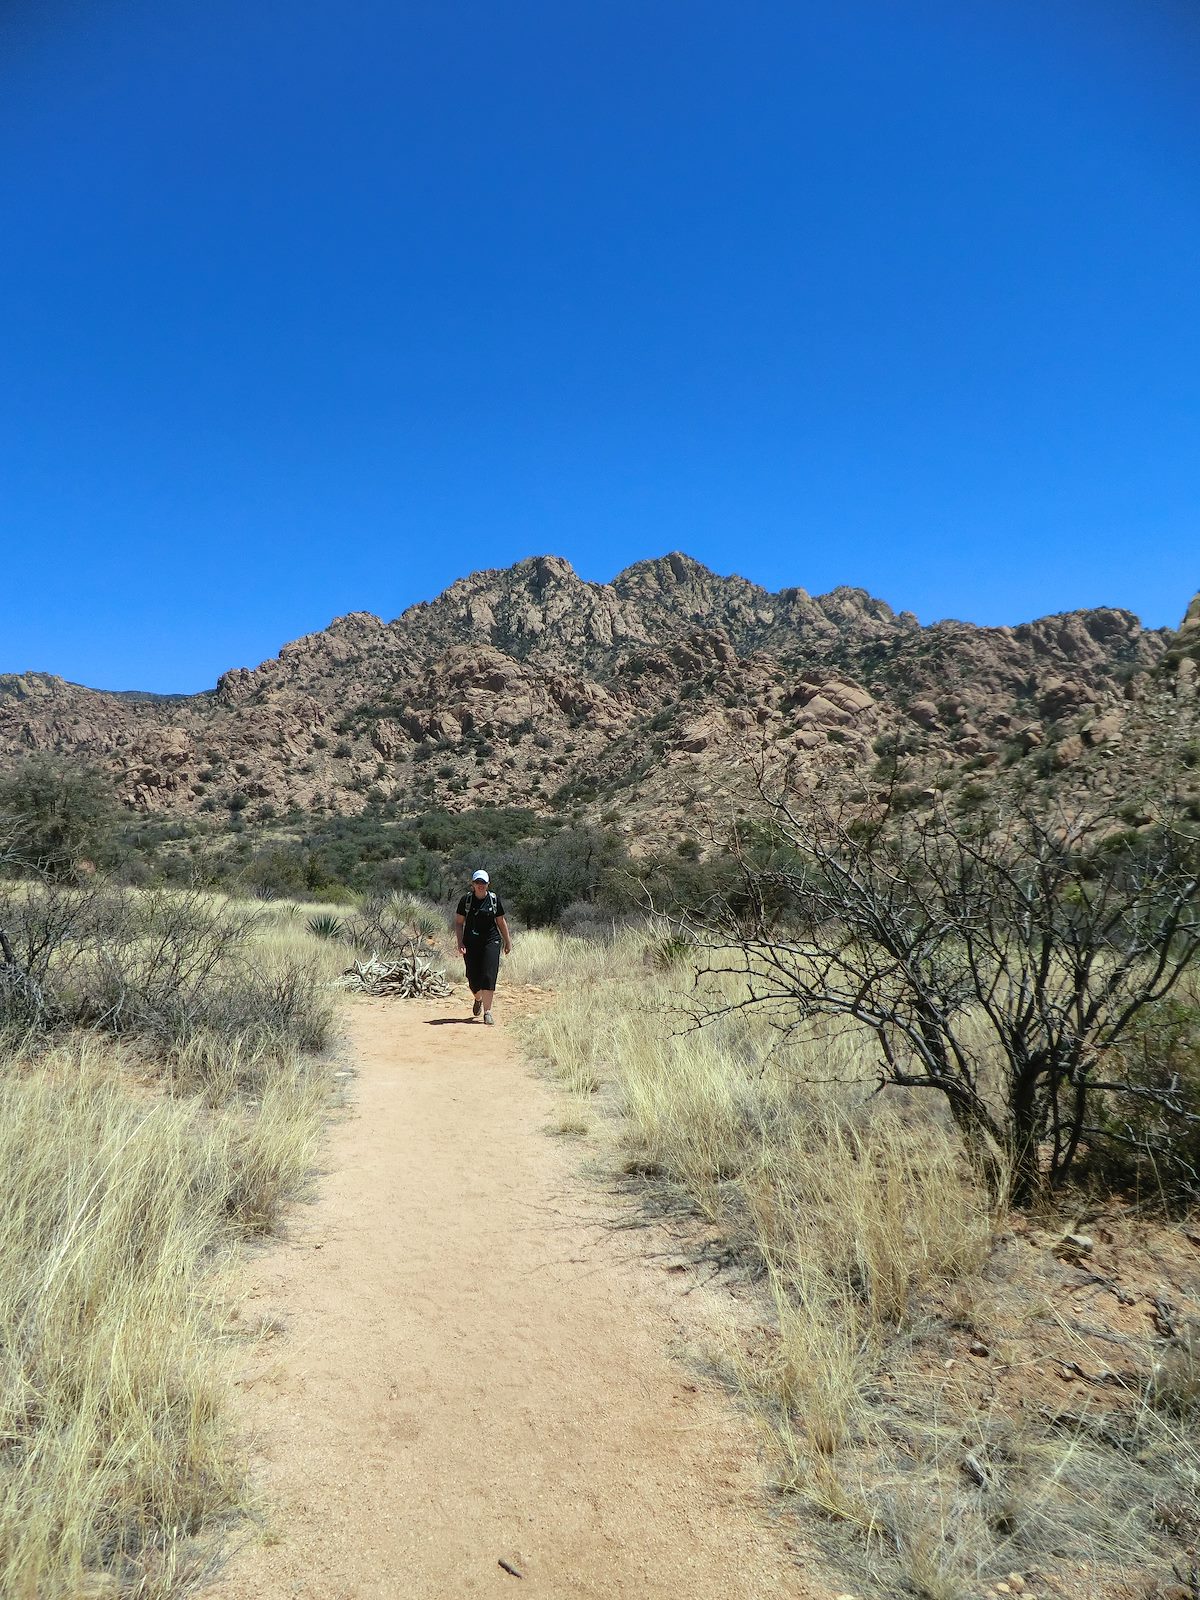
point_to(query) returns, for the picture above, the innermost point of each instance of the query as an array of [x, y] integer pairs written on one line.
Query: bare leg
[[487, 996]]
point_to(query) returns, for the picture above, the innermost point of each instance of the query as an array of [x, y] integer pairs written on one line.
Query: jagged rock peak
[[848, 602], [672, 574], [675, 588], [663, 572], [30, 685], [535, 574], [1189, 628]]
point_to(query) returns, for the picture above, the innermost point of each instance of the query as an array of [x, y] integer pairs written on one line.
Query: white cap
[[480, 877]]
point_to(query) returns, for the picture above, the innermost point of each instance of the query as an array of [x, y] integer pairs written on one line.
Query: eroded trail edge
[[472, 1370]]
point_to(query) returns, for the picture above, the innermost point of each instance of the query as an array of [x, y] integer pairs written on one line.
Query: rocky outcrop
[[1181, 660], [531, 685]]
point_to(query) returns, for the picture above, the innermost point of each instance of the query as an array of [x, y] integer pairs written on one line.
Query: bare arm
[[459, 924], [502, 924]]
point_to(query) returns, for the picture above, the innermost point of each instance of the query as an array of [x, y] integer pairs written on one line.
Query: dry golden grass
[[875, 1246], [543, 958], [111, 1391], [129, 1181]]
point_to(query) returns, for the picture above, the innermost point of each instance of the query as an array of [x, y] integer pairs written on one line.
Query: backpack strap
[[488, 904]]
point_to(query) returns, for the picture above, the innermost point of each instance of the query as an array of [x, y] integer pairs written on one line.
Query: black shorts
[[483, 964]]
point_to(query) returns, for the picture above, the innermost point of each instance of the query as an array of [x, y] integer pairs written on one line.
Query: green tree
[[59, 816], [577, 864]]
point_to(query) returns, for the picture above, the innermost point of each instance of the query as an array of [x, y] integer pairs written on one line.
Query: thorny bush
[[1002, 960], [165, 965]]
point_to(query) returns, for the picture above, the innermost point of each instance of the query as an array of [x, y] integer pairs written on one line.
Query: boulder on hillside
[[821, 709], [924, 713], [848, 697], [389, 738], [1062, 697], [1068, 750], [1186, 643], [1103, 730]]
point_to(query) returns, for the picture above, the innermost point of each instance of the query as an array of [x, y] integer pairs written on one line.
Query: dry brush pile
[[396, 945], [411, 976]]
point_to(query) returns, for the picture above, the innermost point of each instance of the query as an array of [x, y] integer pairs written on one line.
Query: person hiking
[[479, 927]]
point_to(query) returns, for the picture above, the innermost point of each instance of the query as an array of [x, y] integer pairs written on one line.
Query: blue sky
[[310, 308]]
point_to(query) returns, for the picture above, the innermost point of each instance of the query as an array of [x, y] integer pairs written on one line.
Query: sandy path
[[469, 1370]]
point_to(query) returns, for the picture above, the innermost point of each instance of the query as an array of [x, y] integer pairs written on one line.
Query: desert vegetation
[[163, 1096], [932, 1087], [1004, 961], [921, 1080]]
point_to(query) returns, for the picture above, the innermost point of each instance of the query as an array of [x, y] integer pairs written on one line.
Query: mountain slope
[[529, 686]]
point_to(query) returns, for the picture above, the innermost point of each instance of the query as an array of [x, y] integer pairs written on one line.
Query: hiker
[[479, 927]]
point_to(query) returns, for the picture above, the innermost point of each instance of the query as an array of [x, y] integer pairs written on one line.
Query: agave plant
[[668, 950], [326, 926]]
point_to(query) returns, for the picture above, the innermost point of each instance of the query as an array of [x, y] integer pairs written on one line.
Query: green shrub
[[59, 816], [971, 796], [580, 863], [1149, 1146]]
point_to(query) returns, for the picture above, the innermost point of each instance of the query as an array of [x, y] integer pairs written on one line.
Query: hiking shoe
[[489, 1019], [477, 1008]]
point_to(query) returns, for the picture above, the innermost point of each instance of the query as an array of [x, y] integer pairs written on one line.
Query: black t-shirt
[[480, 915]]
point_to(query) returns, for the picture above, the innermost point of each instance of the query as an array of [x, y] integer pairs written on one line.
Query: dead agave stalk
[[410, 977]]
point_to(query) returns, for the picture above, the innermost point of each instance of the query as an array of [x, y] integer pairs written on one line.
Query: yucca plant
[[668, 950], [427, 923], [326, 926]]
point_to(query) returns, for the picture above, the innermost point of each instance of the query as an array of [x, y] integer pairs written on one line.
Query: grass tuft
[[159, 1104]]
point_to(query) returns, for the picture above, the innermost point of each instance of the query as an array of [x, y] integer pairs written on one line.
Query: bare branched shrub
[[898, 1350], [166, 966], [1030, 941], [388, 924], [162, 956], [45, 926]]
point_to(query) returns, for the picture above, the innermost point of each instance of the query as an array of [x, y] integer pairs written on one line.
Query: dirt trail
[[471, 1370]]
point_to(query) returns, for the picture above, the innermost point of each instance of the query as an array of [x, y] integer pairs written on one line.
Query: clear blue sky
[[314, 307]]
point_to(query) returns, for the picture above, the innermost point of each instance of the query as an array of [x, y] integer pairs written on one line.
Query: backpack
[[485, 908]]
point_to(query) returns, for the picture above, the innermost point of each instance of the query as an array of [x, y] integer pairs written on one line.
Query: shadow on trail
[[451, 1022]]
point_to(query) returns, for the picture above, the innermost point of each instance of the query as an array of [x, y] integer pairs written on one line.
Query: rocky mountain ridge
[[529, 686]]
